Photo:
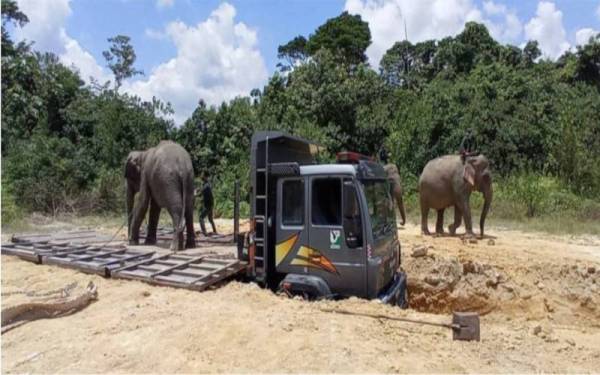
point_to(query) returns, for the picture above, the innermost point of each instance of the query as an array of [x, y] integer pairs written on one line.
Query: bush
[[108, 192], [534, 195], [10, 210], [47, 174]]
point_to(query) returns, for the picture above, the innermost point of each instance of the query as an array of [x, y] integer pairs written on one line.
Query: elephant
[[394, 178], [164, 178], [448, 181]]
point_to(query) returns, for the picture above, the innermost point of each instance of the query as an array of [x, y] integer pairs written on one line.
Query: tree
[[406, 64], [10, 14], [120, 59], [293, 53], [588, 61], [531, 52], [345, 36]]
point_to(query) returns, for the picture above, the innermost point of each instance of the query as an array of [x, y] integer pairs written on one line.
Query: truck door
[[291, 231], [335, 249]]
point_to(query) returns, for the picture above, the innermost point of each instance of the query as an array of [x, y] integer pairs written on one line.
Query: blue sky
[[216, 50]]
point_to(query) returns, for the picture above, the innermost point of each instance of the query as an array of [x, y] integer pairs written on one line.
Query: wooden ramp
[[83, 251], [181, 271], [71, 237]]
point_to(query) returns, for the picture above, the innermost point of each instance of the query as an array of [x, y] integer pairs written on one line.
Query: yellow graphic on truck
[[283, 248], [306, 256]]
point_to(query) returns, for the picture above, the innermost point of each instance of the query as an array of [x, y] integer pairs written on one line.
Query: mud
[[538, 295]]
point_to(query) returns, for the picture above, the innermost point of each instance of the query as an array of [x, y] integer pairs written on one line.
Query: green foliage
[[345, 36], [533, 195], [10, 210], [10, 14], [293, 53], [588, 62], [120, 58], [64, 142]]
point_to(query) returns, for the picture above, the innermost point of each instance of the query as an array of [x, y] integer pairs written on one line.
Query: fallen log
[[18, 315]]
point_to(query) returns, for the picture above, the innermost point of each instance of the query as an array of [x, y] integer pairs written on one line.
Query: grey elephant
[[394, 178], [448, 181], [164, 177]]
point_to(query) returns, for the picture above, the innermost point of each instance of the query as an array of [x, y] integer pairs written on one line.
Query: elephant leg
[[152, 223], [466, 212], [439, 224], [457, 220], [177, 242], [189, 224], [424, 214], [138, 215]]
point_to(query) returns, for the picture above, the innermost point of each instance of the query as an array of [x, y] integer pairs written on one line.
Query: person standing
[[467, 146], [207, 205]]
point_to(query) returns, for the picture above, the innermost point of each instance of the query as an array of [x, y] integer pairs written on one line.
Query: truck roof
[[346, 169], [364, 170]]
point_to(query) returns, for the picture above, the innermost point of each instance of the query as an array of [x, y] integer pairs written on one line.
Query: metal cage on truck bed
[[273, 153]]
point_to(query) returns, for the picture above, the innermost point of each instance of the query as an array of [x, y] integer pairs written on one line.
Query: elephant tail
[[181, 224]]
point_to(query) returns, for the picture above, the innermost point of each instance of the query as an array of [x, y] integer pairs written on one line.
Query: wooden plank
[[189, 274], [145, 261], [99, 255], [180, 265], [212, 273], [230, 271], [128, 258]]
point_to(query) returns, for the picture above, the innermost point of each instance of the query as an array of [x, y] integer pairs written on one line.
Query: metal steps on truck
[[261, 209]]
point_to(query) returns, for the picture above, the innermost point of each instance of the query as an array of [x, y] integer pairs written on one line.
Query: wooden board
[[34, 252], [98, 260], [77, 250], [80, 237], [181, 271]]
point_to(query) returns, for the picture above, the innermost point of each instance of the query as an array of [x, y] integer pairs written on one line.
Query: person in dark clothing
[[467, 145], [207, 205]]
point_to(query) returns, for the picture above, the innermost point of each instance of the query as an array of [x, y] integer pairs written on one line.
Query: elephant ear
[[133, 165], [469, 174]]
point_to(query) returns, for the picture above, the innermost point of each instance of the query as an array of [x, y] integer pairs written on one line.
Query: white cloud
[[46, 28], [155, 34], [164, 3], [429, 19], [502, 22], [582, 36], [547, 28], [216, 60]]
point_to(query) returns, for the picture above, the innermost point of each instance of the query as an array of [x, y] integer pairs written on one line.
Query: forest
[[64, 142]]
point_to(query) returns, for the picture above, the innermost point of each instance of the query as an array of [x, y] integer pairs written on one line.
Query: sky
[[216, 50]]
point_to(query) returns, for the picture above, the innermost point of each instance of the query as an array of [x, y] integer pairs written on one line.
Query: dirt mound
[[445, 284]]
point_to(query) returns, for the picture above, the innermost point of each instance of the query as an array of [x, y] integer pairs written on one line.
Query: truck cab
[[321, 230]]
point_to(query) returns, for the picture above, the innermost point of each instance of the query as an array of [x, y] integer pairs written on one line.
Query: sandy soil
[[539, 296]]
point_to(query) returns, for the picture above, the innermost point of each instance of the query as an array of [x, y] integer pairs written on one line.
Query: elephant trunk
[[487, 201], [401, 208]]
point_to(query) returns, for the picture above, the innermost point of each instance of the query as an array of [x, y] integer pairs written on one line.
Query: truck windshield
[[379, 202]]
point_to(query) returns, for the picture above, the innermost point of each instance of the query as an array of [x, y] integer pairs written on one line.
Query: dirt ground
[[539, 295]]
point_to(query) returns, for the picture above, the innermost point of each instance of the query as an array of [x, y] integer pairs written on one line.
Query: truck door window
[[352, 221], [292, 196], [327, 201]]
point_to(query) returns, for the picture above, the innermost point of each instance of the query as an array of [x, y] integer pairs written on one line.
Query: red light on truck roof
[[351, 157]]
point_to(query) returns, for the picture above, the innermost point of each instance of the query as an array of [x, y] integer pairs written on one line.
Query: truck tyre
[[308, 286]]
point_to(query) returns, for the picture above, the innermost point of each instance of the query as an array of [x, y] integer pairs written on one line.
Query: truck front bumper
[[395, 293]]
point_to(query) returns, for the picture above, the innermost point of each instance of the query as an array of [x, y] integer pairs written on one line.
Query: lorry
[[321, 230]]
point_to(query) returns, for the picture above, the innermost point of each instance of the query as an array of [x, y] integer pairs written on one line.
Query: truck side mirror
[[352, 220]]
